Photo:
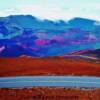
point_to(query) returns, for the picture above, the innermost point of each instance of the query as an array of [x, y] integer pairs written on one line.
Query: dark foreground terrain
[[47, 93]]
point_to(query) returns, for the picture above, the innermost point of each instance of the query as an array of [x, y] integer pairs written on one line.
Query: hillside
[[42, 38]]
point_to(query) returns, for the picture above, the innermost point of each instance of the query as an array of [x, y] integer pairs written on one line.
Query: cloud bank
[[65, 10]]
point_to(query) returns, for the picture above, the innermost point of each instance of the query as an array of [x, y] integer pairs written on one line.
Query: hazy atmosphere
[[52, 9]]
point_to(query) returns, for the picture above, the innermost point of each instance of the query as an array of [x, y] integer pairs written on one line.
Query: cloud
[[89, 10], [55, 13], [2, 14]]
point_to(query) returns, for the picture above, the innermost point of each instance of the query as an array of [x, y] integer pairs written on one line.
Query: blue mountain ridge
[[28, 35]]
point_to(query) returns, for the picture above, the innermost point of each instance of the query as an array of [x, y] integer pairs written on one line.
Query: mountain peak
[[82, 19]]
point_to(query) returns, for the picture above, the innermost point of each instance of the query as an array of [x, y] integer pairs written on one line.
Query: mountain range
[[28, 35]]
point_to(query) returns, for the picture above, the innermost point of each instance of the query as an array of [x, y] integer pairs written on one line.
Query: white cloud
[[2, 14], [89, 10]]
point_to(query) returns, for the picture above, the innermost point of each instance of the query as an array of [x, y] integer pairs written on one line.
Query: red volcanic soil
[[49, 93], [47, 66]]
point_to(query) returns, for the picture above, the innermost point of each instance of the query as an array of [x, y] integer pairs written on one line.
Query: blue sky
[[52, 9]]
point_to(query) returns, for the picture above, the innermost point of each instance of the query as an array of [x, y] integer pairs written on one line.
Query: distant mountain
[[88, 53], [82, 23], [45, 38], [31, 22], [16, 51], [95, 53]]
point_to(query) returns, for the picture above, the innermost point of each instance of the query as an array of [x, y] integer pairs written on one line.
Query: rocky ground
[[49, 93]]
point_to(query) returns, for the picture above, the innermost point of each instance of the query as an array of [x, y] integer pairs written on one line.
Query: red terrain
[[47, 66], [47, 93]]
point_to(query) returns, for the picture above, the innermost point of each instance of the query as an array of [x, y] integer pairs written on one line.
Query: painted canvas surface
[[49, 49]]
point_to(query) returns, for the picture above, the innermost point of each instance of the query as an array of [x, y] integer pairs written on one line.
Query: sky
[[52, 9]]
